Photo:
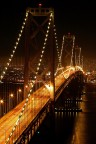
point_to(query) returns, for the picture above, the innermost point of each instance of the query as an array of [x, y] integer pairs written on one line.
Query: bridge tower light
[[40, 4]]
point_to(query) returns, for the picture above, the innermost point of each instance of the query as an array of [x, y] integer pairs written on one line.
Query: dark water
[[71, 127]]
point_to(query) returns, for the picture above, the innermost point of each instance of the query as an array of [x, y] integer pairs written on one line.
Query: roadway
[[16, 121]]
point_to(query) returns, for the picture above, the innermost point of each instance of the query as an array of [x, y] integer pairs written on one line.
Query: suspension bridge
[[35, 74]]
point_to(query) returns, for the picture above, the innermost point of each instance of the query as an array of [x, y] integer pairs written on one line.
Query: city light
[[1, 101]]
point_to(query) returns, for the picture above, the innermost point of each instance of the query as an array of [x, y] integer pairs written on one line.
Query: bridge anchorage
[[43, 78]]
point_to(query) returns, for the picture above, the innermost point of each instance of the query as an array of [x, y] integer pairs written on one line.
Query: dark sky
[[76, 17]]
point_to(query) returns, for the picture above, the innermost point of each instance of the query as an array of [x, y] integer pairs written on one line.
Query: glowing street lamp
[[26, 88], [1, 107], [11, 96], [19, 91], [1, 101]]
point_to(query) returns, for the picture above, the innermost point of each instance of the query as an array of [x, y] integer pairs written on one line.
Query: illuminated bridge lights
[[68, 110]]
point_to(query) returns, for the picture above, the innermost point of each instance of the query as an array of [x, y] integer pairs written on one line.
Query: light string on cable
[[60, 60], [57, 48], [15, 47], [30, 91]]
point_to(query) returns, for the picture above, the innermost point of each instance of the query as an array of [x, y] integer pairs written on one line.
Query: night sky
[[76, 17]]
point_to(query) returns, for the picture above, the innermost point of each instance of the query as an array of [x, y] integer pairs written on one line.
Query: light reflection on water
[[72, 127]]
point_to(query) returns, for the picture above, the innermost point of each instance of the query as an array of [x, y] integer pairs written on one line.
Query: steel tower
[[35, 31]]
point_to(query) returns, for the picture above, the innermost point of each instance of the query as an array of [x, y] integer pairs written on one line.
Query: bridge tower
[[35, 31], [68, 52], [78, 56]]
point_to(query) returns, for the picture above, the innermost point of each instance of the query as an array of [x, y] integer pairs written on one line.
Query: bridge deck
[[9, 122]]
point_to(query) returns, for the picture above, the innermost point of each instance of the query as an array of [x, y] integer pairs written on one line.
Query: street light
[[1, 107], [26, 89], [11, 96], [19, 91]]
